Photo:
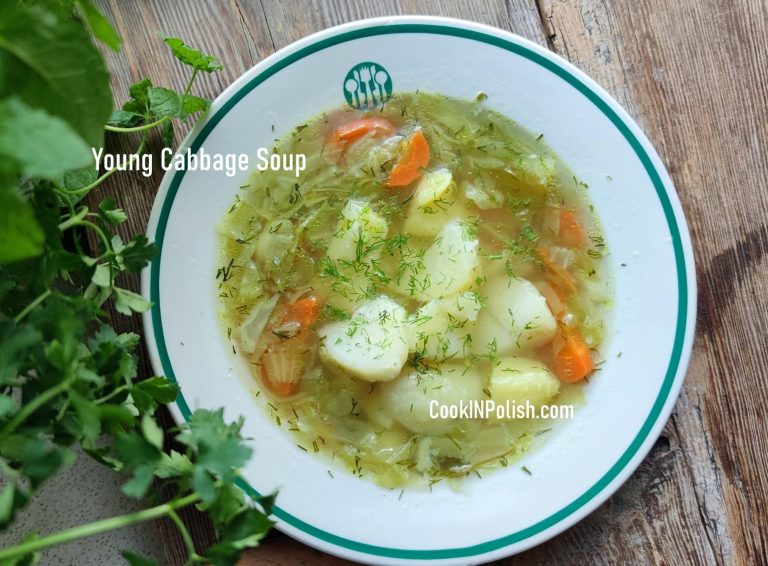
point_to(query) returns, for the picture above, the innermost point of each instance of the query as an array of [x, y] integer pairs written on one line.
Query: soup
[[433, 255]]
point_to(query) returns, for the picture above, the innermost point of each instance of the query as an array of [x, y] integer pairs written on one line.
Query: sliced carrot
[[571, 232], [558, 276], [573, 362], [357, 128], [304, 311], [415, 158]]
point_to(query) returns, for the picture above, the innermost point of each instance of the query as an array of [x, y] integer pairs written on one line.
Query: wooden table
[[693, 74]]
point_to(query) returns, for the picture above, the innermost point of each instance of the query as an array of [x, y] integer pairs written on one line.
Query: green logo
[[367, 85]]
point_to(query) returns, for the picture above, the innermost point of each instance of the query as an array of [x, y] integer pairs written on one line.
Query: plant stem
[[102, 235], [74, 219], [143, 128], [185, 537], [114, 393], [97, 527], [189, 84], [35, 404], [31, 306]]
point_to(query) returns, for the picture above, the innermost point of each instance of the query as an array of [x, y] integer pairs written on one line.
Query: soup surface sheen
[[433, 254]]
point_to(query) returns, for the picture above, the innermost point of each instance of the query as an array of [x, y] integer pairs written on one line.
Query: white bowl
[[628, 402]]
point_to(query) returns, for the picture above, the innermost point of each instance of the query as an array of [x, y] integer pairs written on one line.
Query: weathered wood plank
[[693, 74], [289, 21]]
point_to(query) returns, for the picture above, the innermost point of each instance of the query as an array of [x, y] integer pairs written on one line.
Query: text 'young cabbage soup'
[[432, 255]]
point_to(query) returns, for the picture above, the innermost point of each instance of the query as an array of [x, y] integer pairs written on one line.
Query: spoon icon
[[351, 87], [381, 78]]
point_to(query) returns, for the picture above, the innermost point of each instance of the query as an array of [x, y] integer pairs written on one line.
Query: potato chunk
[[517, 380], [516, 318], [449, 266], [442, 328], [433, 204], [345, 278], [359, 233], [408, 397], [372, 345]]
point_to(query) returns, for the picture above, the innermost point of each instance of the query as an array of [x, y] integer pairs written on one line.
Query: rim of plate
[[640, 445]]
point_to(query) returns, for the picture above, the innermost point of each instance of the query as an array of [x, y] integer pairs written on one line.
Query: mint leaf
[[20, 233], [139, 101], [99, 25], [124, 119], [164, 102], [47, 59], [78, 178], [37, 144], [191, 56], [191, 104]]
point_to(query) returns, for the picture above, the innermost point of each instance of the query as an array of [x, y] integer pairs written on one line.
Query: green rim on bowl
[[653, 174]]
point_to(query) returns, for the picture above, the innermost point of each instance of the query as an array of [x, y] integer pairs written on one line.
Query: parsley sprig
[[67, 378]]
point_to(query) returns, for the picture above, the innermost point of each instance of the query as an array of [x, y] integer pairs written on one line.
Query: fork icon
[[365, 80]]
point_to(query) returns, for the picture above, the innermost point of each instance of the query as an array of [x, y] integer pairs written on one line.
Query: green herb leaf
[[109, 211], [37, 144], [78, 178], [192, 57], [139, 483], [7, 407], [152, 432], [6, 504], [148, 401], [174, 465], [89, 415], [127, 302], [20, 233], [192, 104], [164, 102], [138, 104], [134, 559], [245, 530], [124, 118], [49, 62], [99, 25], [137, 253]]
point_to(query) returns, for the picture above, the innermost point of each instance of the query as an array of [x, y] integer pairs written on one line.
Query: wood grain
[[693, 74]]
